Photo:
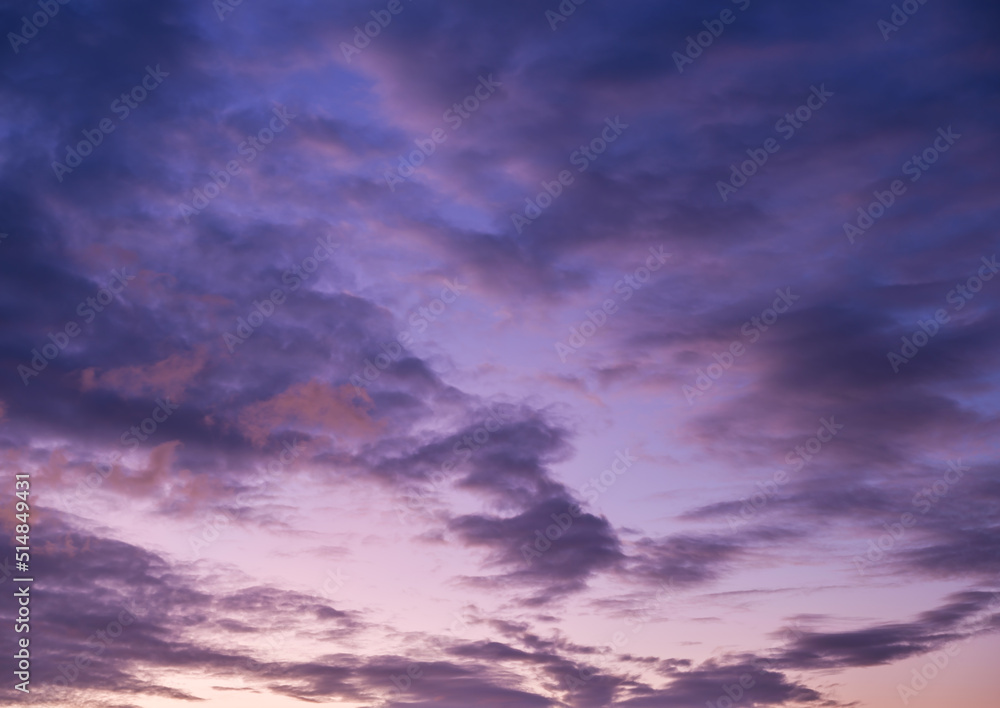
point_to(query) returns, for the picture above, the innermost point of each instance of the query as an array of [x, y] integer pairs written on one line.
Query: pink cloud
[[169, 377], [313, 405]]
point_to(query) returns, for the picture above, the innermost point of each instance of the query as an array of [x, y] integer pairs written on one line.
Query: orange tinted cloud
[[314, 406], [169, 377], [149, 482]]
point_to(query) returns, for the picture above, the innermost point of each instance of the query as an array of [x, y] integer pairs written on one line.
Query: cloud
[[885, 643], [169, 377], [423, 428], [317, 407], [552, 544], [683, 560]]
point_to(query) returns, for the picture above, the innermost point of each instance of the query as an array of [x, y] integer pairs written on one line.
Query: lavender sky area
[[578, 354]]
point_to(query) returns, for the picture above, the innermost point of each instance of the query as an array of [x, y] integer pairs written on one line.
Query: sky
[[515, 354]]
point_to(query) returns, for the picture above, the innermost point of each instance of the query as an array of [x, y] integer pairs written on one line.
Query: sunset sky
[[411, 353]]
